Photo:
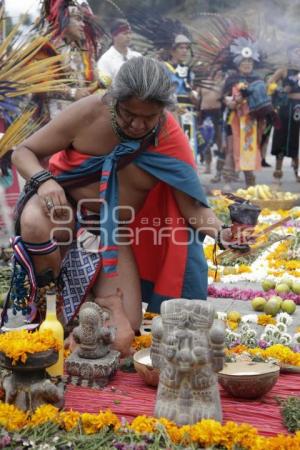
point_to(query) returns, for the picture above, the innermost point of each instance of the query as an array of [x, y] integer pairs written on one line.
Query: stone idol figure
[[188, 348]]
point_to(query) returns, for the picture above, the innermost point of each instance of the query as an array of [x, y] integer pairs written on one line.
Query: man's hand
[[52, 195]]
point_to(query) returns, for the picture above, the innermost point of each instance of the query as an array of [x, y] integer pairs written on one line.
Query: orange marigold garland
[[18, 344]]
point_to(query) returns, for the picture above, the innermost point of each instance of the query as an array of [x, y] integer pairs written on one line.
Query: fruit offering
[[264, 192], [274, 305]]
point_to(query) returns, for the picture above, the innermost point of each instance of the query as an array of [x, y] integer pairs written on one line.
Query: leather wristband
[[36, 180]]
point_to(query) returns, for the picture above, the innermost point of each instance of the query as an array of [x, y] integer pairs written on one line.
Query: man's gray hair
[[146, 79]]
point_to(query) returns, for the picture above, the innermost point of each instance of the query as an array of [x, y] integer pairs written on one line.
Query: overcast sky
[[16, 7]]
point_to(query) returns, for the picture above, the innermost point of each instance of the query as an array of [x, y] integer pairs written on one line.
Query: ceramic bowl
[[246, 379], [143, 366]]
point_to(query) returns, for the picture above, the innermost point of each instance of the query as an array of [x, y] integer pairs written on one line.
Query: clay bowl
[[38, 360], [246, 379], [143, 366]]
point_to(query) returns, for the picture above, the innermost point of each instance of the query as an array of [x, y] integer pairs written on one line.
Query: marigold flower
[[143, 341], [44, 414], [18, 344], [265, 319], [12, 418], [143, 424], [69, 419]]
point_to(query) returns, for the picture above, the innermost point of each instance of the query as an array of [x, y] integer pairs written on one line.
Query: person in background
[[286, 135], [76, 36], [211, 109], [119, 52], [183, 80]]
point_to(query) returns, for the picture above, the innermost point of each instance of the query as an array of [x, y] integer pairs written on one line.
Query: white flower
[[281, 327], [249, 318], [277, 334], [296, 338], [251, 334], [285, 339], [284, 318], [270, 329], [244, 328]]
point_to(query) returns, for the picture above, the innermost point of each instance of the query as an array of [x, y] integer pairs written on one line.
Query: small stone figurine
[[93, 337], [188, 348], [93, 362]]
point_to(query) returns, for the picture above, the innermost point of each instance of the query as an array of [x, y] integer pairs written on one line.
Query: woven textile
[[128, 396]]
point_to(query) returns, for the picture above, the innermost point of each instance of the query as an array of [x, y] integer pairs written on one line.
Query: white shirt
[[111, 61]]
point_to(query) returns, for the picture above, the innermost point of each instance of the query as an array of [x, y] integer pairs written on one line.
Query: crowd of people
[[113, 206]]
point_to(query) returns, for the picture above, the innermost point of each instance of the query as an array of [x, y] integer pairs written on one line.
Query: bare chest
[[134, 185]]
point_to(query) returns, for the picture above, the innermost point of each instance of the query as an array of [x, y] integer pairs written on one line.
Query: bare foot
[[118, 319]]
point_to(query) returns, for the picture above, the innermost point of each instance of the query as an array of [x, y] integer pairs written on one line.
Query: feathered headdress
[[227, 43], [57, 13], [22, 72], [157, 33]]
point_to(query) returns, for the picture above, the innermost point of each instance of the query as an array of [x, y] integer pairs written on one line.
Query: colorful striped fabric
[[128, 396]]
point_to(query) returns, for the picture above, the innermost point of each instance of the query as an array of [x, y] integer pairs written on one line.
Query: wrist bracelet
[[37, 179]]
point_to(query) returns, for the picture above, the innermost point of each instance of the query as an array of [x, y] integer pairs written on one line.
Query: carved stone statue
[[93, 337], [93, 362], [188, 348]]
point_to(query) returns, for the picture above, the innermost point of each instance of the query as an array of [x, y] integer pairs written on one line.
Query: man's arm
[[201, 217]]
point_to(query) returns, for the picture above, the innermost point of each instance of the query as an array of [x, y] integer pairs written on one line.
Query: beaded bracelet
[[37, 179]]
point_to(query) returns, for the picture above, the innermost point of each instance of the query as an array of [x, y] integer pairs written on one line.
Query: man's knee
[[34, 225]]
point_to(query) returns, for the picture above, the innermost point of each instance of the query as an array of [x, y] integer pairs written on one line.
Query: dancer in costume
[[76, 36], [119, 52], [211, 112], [286, 135], [244, 94], [22, 75], [171, 41], [182, 78], [124, 150]]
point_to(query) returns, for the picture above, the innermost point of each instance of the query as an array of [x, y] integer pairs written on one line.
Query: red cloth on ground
[[128, 396]]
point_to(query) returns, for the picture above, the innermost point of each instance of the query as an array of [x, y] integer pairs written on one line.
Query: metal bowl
[[247, 379], [143, 365]]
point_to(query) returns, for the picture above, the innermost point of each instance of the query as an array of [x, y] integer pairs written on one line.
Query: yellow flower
[[108, 419], [18, 344], [143, 424], [272, 87], [206, 433], [89, 423], [69, 419], [237, 349], [265, 319], [175, 433], [92, 423], [280, 352], [143, 341], [233, 325], [284, 442], [149, 315], [12, 418], [43, 414]]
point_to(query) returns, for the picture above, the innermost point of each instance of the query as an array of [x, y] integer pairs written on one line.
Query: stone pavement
[[264, 176]]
